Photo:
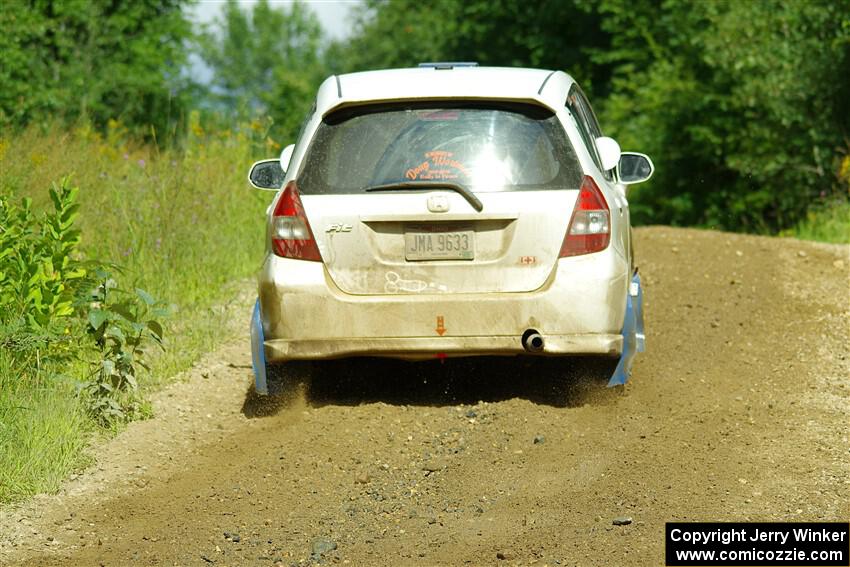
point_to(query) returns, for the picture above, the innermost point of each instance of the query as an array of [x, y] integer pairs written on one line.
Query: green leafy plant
[[40, 267], [72, 344], [122, 325]]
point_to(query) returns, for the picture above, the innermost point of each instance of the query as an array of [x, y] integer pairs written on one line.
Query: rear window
[[484, 147]]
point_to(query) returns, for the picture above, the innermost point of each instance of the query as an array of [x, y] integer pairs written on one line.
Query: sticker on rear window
[[440, 115], [438, 165]]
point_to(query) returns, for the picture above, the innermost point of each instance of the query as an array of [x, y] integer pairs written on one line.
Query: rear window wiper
[[467, 194]]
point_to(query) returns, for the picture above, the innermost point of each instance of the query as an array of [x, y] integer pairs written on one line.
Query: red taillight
[[291, 233], [590, 226]]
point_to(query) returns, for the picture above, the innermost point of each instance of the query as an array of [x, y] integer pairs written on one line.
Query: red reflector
[[590, 226], [291, 233], [590, 197]]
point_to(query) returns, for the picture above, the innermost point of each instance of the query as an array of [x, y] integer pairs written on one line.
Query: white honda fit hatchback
[[447, 210]]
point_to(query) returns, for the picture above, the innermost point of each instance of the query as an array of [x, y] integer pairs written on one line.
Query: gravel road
[[737, 411]]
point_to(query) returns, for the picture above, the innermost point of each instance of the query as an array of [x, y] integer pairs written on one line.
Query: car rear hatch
[[429, 198]]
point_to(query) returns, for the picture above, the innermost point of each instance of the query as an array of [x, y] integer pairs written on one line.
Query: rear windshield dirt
[[484, 147]]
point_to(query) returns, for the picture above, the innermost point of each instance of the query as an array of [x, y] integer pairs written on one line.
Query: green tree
[[554, 34], [265, 61], [93, 60], [745, 106]]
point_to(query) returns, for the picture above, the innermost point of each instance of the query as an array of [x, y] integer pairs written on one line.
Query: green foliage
[[827, 222], [44, 298], [183, 225], [41, 275], [122, 325], [42, 425], [741, 105], [265, 60], [93, 60], [550, 34], [181, 221], [40, 269]]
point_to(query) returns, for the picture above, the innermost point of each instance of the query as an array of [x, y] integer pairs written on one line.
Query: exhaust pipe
[[532, 341]]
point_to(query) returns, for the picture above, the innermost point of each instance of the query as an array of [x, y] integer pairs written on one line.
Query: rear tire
[[284, 378]]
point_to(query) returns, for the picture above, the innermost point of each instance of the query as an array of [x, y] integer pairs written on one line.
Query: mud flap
[[258, 351], [634, 339]]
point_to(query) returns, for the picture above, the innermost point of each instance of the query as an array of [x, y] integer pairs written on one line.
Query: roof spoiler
[[447, 64]]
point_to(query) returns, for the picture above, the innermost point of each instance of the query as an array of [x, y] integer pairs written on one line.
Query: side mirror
[[635, 168], [609, 152], [267, 174], [286, 157]]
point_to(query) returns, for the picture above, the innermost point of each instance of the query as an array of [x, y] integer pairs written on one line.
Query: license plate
[[434, 245]]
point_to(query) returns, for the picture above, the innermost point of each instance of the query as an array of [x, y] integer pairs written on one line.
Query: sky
[[334, 16]]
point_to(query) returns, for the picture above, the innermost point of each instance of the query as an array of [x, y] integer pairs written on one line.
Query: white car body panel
[[511, 254], [312, 318]]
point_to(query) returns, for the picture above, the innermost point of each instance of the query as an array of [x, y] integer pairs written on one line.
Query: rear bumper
[[579, 310], [416, 348]]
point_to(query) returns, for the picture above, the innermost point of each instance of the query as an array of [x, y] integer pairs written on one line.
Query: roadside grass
[[42, 429], [827, 223], [181, 222]]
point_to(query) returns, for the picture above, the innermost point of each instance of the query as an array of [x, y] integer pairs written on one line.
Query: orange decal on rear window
[[439, 165], [415, 172], [440, 115]]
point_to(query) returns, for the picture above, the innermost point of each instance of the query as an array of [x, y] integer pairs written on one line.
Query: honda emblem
[[438, 203]]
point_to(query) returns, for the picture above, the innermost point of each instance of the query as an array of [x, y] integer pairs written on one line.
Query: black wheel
[[284, 378]]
